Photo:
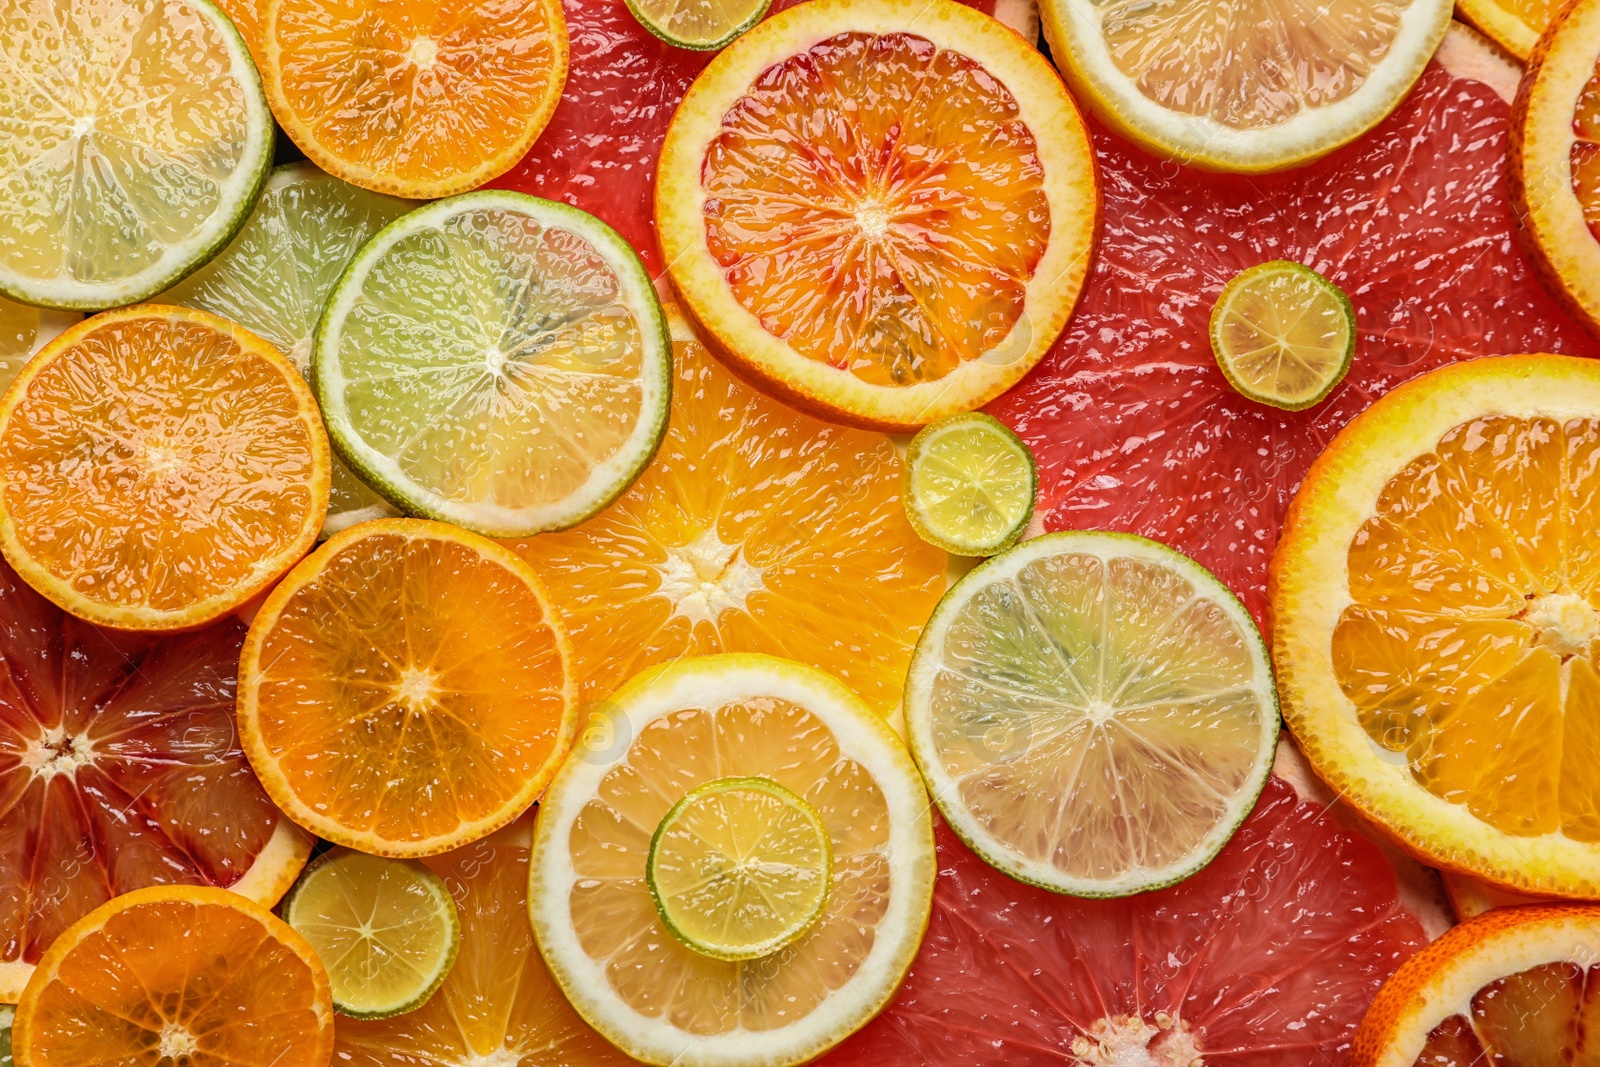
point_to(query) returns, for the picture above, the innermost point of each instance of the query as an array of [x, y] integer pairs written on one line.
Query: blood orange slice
[[1267, 957], [120, 768], [1134, 427]]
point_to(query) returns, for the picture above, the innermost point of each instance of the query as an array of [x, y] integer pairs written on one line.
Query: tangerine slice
[[754, 529], [1555, 159], [120, 768], [185, 975], [159, 466], [880, 211], [412, 97], [1514, 986], [406, 689], [1436, 606], [1514, 25]]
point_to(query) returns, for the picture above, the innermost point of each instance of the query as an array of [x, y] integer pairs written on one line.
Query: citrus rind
[[606, 480], [995, 436], [1502, 26], [1308, 587], [925, 666]]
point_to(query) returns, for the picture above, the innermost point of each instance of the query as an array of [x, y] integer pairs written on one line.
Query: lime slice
[[497, 361], [1283, 334], [703, 25], [274, 280], [1094, 713], [122, 177], [739, 868], [969, 484], [7, 1014], [23, 331], [386, 929]]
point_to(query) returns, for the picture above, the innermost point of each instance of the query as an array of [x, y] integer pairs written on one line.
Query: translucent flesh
[[1447, 650], [972, 485], [445, 86], [493, 360], [120, 122], [699, 22], [246, 16], [1248, 64], [23, 331], [1099, 717], [1548, 1014], [1586, 153], [159, 977], [740, 867], [156, 462], [274, 280], [615, 918], [413, 686], [1285, 335], [384, 931], [498, 1007], [754, 529], [120, 767], [875, 202]]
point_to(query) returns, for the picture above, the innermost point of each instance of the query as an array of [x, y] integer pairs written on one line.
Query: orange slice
[[880, 210], [498, 1007], [246, 17], [1516, 986], [1555, 159], [179, 975], [1470, 898], [406, 689], [159, 467], [754, 529], [1436, 607], [1514, 25], [413, 97]]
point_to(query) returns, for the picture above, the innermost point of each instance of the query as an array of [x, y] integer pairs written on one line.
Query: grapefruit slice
[[1268, 956], [1555, 159], [498, 1006], [1435, 603], [1132, 423], [754, 529], [177, 975], [880, 211], [119, 769], [1516, 986]]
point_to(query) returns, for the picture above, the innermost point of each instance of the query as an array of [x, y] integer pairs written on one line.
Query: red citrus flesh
[[1133, 425], [119, 767], [1268, 956], [599, 151]]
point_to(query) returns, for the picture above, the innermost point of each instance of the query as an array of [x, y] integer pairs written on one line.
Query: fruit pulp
[[1545, 1014], [1586, 153], [1131, 421], [626, 80], [1269, 955], [120, 767]]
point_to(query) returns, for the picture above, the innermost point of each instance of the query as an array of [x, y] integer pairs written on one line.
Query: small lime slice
[[1283, 334], [387, 930], [1094, 713], [969, 484], [123, 175], [274, 280], [703, 25], [739, 868], [497, 361]]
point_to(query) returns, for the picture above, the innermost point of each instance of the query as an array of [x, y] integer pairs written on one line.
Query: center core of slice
[[1565, 623], [739, 868], [1130, 1041]]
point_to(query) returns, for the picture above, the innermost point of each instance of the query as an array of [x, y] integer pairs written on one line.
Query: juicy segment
[[876, 202], [1546, 1014], [1469, 647], [615, 917], [742, 536], [1586, 153], [1253, 65]]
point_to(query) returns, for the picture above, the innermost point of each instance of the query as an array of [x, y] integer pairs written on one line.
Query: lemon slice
[[970, 485], [496, 361], [1283, 334], [386, 929], [703, 25], [121, 177], [1094, 713], [739, 868], [668, 733], [275, 277]]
